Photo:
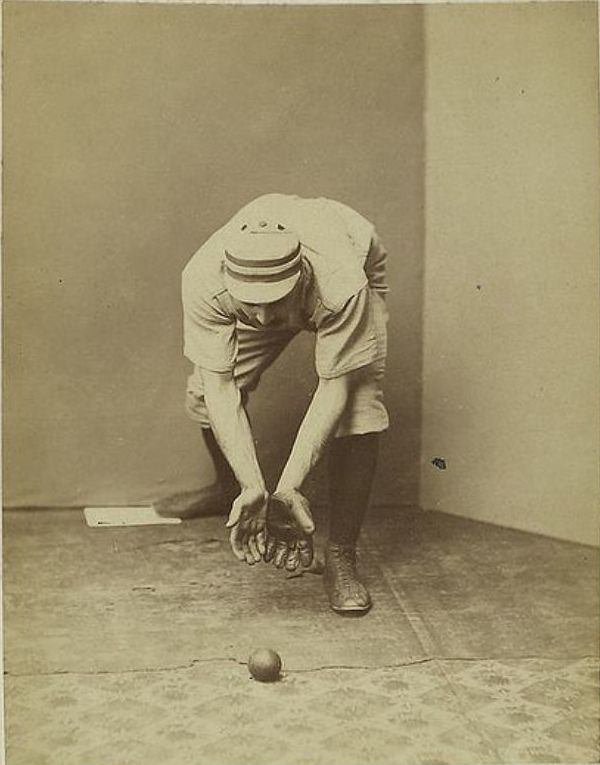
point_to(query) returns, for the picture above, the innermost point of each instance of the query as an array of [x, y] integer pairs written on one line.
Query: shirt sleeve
[[346, 340], [208, 332]]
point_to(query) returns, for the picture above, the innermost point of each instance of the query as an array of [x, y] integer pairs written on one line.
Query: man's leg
[[214, 499], [352, 464]]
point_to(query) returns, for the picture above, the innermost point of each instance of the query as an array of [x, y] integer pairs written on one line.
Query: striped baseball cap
[[262, 261]]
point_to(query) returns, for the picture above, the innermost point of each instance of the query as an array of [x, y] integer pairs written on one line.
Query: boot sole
[[352, 611]]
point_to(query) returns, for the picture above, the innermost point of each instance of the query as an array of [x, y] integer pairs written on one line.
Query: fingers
[[290, 526], [305, 552], [246, 545], [235, 540], [256, 539], [284, 545], [280, 554], [285, 554], [247, 523], [293, 558], [270, 549], [261, 542], [252, 548]]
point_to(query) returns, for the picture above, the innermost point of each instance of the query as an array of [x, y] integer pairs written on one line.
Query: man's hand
[[247, 521], [289, 530]]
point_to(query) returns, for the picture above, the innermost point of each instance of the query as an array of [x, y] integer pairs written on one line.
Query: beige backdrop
[[131, 133], [511, 290]]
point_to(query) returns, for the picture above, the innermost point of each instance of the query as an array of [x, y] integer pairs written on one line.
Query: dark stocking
[[352, 463]]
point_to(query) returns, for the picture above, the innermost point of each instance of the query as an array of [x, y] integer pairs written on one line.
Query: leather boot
[[347, 595], [352, 465]]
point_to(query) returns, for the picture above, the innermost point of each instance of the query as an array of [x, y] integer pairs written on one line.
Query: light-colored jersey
[[343, 263]]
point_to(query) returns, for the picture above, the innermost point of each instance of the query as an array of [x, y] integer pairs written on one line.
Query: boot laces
[[345, 563]]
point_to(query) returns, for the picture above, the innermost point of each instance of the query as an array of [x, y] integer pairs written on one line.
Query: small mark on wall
[[478, 286], [440, 463]]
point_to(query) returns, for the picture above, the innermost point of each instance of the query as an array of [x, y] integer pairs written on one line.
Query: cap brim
[[260, 292]]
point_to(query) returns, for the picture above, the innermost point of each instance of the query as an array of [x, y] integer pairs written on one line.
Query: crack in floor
[[323, 668]]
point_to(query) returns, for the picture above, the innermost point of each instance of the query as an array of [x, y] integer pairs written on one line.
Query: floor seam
[[321, 668], [128, 671]]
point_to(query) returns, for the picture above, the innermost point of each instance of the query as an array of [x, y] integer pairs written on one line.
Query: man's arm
[[290, 525], [317, 428], [345, 344], [230, 425]]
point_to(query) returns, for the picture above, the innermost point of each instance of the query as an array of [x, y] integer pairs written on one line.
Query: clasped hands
[[276, 528]]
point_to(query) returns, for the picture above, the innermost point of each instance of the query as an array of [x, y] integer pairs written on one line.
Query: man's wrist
[[253, 486], [285, 488]]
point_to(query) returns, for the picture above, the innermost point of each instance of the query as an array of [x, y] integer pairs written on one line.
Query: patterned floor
[[384, 690], [213, 713]]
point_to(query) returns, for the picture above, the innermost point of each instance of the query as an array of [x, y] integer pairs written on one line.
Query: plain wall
[[510, 365], [131, 134]]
